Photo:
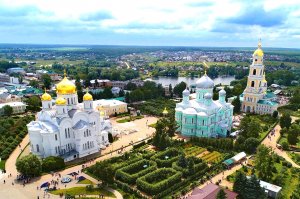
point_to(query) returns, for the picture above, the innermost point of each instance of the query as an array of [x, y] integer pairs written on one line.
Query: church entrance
[[248, 109]]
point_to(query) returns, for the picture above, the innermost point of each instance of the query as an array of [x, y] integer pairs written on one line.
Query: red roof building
[[210, 191]]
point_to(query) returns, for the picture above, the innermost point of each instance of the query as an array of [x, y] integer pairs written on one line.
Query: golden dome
[[46, 97], [65, 86], [87, 96], [60, 101], [259, 52], [165, 112], [102, 113]]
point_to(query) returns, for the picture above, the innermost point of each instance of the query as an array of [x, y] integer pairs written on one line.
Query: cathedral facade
[[203, 116], [256, 98], [65, 129]]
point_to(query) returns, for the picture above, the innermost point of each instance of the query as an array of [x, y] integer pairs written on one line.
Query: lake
[[175, 80]]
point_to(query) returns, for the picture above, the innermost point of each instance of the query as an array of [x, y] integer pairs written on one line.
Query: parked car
[[66, 179]]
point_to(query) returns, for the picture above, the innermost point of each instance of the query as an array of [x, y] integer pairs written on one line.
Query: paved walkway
[[271, 141], [30, 191]]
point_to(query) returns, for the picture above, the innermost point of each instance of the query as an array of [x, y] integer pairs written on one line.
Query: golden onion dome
[[258, 52], [165, 112], [87, 96], [102, 113], [65, 86], [60, 101], [46, 97]]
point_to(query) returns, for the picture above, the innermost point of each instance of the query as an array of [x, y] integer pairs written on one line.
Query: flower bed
[[212, 157], [194, 151], [166, 158], [159, 180], [130, 173]]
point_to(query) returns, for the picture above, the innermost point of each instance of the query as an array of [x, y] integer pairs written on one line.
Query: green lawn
[[82, 190], [2, 164], [129, 119], [85, 181]]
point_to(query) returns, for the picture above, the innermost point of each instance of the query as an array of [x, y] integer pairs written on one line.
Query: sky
[[223, 23]]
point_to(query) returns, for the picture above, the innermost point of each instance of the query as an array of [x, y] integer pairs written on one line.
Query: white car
[[66, 179]]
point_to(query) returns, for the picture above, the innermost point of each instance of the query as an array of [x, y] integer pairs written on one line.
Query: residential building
[[18, 107], [110, 106], [211, 191], [4, 77], [7, 97]]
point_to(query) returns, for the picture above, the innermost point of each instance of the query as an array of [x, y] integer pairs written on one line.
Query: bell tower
[[256, 83]]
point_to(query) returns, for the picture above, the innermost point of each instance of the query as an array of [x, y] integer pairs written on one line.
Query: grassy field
[[82, 190], [41, 62]]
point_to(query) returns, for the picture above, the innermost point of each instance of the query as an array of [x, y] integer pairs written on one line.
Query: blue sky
[[151, 22]]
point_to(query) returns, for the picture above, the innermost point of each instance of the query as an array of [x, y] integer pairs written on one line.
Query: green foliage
[[33, 103], [248, 188], [264, 163], [7, 110], [285, 146], [293, 134], [53, 163], [156, 106], [159, 180], [34, 83], [225, 144], [29, 165], [4, 65], [285, 120], [47, 81], [12, 131], [237, 105], [132, 172], [221, 194], [275, 114], [250, 145], [250, 127], [166, 158], [179, 88]]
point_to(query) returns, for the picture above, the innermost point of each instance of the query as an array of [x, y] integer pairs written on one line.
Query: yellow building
[[255, 98]]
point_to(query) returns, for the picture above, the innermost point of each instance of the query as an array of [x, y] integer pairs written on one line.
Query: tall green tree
[[47, 81], [7, 110], [264, 163], [29, 165], [237, 105], [239, 184], [285, 120], [221, 194], [293, 134], [33, 103], [34, 83], [250, 127], [179, 88]]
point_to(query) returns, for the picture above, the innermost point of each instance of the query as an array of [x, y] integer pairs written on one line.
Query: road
[[271, 141]]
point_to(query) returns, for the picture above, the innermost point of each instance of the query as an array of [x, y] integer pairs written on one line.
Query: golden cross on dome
[[65, 73], [259, 43], [87, 89], [205, 67]]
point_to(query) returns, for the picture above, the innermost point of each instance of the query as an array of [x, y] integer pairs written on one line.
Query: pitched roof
[[210, 191]]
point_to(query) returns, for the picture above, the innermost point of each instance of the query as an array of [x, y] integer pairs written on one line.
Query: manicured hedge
[[119, 165], [130, 173], [199, 166], [159, 180], [173, 155]]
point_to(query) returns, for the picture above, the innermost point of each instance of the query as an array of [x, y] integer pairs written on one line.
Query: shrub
[[285, 146], [130, 173], [159, 180], [53, 163], [29, 165], [162, 161]]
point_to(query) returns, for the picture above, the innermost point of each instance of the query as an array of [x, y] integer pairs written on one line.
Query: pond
[[189, 80]]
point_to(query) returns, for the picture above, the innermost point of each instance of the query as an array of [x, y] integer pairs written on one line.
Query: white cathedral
[[66, 130]]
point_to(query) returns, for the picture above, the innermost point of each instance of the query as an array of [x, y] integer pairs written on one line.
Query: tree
[[182, 161], [239, 184], [29, 165], [53, 163], [237, 104], [250, 127], [179, 88], [33, 103], [253, 189], [131, 86], [264, 163], [191, 166], [285, 146], [127, 97], [221, 194], [121, 93], [293, 134], [171, 90], [104, 171], [275, 114], [47, 81], [285, 120], [7, 110], [251, 144], [34, 83], [171, 125]]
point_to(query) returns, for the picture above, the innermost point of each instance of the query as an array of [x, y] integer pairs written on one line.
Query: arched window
[[254, 72], [252, 84], [68, 101], [55, 136], [37, 148], [259, 83], [48, 105]]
